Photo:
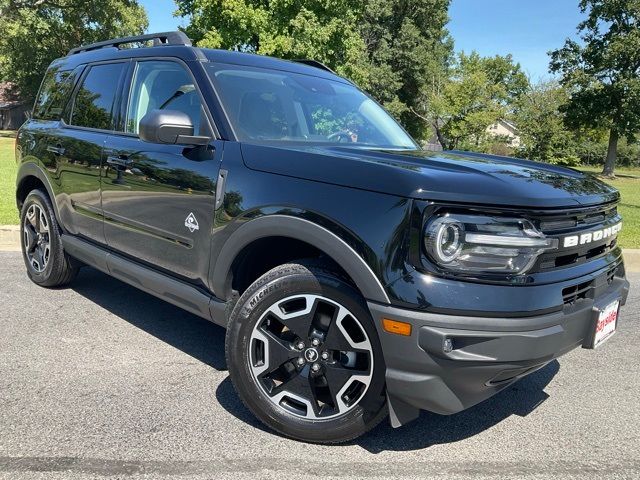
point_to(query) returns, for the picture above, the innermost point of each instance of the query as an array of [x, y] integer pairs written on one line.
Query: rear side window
[[54, 94], [93, 104]]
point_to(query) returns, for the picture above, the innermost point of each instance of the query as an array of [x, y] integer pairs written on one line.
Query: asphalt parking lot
[[100, 380]]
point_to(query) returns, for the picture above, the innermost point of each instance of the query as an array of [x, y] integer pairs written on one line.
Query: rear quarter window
[[54, 94]]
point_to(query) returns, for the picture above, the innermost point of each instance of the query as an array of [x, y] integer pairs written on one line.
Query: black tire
[[283, 282], [59, 269]]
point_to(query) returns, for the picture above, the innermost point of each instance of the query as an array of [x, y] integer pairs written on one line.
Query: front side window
[[163, 85], [273, 105], [93, 105]]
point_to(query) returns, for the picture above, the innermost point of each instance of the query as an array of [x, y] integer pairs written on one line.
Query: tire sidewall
[[249, 310]]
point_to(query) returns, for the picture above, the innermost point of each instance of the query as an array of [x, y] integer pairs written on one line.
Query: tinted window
[[93, 105], [166, 86], [54, 94], [275, 105]]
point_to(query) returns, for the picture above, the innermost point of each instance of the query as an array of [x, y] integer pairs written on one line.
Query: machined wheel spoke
[[338, 337], [278, 351], [39, 255], [300, 325], [30, 238], [335, 339], [299, 319], [302, 388], [43, 225], [339, 376], [32, 216]]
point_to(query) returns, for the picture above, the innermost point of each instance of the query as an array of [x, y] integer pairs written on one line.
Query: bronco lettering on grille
[[593, 236]]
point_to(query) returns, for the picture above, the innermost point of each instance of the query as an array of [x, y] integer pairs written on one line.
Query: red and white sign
[[606, 325]]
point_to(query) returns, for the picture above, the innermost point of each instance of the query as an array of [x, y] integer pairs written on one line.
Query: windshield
[[273, 105]]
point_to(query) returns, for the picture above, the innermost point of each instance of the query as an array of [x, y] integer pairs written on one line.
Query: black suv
[[356, 274]]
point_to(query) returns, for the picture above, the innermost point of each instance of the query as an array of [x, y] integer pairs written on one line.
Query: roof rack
[[165, 38], [315, 63]]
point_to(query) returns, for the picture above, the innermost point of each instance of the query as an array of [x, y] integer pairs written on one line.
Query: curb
[[631, 259], [9, 238], [10, 242]]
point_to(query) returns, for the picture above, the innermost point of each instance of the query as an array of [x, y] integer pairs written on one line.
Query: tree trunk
[[610, 162], [441, 138]]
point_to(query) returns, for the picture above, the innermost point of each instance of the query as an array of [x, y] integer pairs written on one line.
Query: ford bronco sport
[[356, 274]]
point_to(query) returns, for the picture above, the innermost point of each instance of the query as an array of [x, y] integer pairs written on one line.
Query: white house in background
[[504, 128]]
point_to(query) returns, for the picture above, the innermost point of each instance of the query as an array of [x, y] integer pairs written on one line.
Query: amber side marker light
[[394, 326]]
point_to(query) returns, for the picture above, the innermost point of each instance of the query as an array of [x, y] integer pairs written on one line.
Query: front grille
[[572, 294], [575, 222]]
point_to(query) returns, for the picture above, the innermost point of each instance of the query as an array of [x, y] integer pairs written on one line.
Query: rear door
[[158, 200], [78, 148]]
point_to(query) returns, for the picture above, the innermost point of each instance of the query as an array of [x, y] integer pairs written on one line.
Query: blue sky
[[526, 29]]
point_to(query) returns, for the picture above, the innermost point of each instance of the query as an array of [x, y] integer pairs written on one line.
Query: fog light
[[447, 345]]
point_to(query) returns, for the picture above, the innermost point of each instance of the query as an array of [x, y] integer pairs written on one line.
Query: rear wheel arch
[[31, 177], [314, 241]]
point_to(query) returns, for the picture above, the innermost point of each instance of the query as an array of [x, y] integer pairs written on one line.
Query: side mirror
[[170, 127]]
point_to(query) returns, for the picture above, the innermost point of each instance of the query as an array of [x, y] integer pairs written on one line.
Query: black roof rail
[[164, 38], [315, 63]]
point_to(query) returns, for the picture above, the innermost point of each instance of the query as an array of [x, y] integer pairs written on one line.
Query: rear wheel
[[47, 263], [304, 356]]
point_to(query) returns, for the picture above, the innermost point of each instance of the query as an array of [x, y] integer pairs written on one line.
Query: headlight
[[477, 244]]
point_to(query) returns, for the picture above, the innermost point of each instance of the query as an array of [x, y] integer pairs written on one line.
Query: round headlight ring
[[446, 240]]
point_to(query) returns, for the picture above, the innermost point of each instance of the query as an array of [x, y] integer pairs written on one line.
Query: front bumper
[[488, 353]]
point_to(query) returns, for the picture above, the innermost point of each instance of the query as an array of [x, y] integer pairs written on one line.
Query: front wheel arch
[[317, 236]]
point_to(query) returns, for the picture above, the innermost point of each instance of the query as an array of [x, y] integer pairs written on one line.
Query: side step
[[158, 284]]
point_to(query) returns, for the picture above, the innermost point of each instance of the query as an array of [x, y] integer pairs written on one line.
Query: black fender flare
[[306, 231], [31, 169]]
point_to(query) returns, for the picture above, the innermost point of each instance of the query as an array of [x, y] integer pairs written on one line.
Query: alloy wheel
[[36, 237], [311, 356]]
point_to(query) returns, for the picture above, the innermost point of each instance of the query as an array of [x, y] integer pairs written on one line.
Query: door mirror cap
[[169, 127]]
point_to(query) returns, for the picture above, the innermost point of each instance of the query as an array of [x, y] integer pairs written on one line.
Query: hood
[[440, 176]]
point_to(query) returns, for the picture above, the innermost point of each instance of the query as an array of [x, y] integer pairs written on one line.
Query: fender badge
[[191, 223]]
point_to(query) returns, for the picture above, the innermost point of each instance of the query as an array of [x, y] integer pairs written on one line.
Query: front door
[[158, 200]]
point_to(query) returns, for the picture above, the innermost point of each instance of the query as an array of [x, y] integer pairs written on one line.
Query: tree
[[541, 123], [323, 30], [479, 92], [391, 48], [408, 50], [33, 33], [603, 72]]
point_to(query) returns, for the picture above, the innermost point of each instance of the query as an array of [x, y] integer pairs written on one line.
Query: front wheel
[[304, 356]]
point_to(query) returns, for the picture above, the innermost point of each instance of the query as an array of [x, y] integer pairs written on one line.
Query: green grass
[[8, 170], [627, 181]]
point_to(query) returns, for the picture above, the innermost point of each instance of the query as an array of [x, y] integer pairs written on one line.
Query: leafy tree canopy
[[603, 71], [540, 123], [408, 50], [33, 33], [478, 92], [323, 30]]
